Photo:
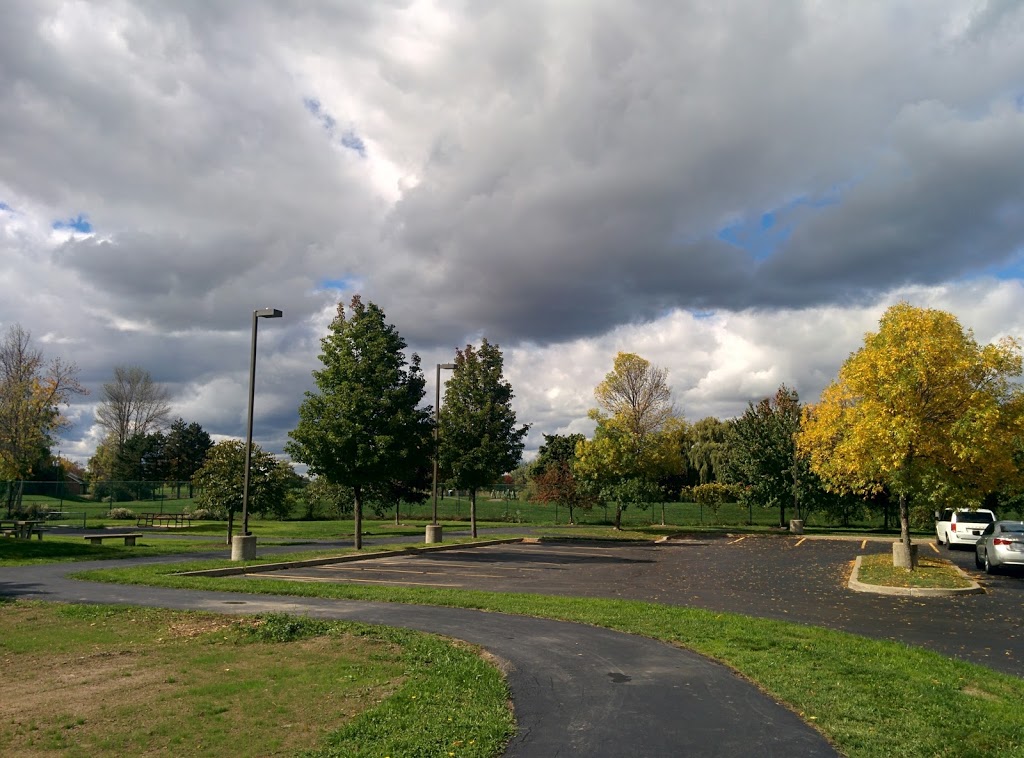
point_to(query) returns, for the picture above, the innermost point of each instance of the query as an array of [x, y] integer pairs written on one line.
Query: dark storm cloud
[[535, 172]]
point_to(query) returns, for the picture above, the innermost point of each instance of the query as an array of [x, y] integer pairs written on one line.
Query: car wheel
[[938, 540], [977, 560], [989, 568], [949, 545]]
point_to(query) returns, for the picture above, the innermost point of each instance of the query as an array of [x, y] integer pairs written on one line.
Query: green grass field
[[869, 697], [112, 681]]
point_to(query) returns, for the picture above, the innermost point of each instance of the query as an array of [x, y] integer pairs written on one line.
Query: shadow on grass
[[54, 550]]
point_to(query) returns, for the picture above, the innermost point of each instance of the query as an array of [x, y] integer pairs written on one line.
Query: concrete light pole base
[[433, 533], [243, 547], [796, 526]]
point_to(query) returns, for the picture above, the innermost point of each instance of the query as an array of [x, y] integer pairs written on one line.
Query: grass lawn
[[112, 681], [870, 697], [59, 549], [930, 573]]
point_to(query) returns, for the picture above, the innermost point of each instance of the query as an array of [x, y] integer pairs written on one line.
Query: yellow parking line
[[863, 544], [735, 541], [933, 547], [801, 541]]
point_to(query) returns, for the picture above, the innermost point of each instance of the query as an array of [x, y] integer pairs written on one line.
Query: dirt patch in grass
[[195, 688]]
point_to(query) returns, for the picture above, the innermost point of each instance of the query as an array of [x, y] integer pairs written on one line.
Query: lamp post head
[[268, 313]]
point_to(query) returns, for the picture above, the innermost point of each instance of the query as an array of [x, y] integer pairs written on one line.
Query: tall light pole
[[437, 406], [246, 549]]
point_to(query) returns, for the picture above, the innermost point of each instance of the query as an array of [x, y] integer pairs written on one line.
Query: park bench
[[97, 539]]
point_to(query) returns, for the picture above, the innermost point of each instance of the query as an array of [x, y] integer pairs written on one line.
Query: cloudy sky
[[734, 190]]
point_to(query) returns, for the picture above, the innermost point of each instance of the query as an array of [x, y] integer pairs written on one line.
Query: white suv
[[961, 527]]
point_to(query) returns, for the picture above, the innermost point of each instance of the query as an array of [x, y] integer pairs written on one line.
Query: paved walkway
[[577, 690]]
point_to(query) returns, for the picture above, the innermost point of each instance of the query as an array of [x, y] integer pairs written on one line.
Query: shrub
[[32, 511], [208, 514], [121, 514]]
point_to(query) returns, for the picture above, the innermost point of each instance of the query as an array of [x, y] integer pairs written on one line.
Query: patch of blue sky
[[1009, 270], [762, 235], [354, 142], [340, 284], [316, 108], [702, 314], [75, 224], [5, 207], [758, 237], [1020, 101], [349, 139]]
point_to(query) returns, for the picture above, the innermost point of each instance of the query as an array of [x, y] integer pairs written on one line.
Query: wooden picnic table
[[163, 519], [21, 528]]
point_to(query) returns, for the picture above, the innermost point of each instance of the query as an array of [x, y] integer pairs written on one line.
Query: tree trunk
[[663, 514], [398, 505], [357, 512], [618, 517], [782, 514], [472, 512], [902, 553]]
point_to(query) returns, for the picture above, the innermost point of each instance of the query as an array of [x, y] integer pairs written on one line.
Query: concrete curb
[[858, 586], [267, 567]]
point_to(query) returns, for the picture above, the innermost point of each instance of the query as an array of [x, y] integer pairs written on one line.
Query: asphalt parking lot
[[781, 577]]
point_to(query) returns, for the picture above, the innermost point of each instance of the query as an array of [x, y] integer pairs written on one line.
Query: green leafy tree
[[712, 495], [326, 500], [140, 463], [479, 440], [553, 477], [363, 427], [185, 451], [764, 455], [921, 410], [220, 482], [709, 449], [619, 467], [32, 392]]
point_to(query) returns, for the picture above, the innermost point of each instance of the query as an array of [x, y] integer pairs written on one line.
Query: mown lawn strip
[[870, 697]]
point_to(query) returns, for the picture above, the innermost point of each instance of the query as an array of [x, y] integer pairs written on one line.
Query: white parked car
[[955, 527]]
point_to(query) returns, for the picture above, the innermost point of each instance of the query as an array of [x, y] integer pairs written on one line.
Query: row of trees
[[921, 414], [364, 429], [134, 466]]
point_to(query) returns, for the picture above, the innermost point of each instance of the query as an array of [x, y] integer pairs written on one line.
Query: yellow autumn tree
[[638, 439], [32, 393], [922, 410]]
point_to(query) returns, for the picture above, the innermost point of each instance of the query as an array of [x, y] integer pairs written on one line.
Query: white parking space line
[[801, 541], [410, 571], [353, 580], [449, 565], [737, 541]]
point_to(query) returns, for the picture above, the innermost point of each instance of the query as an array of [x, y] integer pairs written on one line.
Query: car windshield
[[974, 517]]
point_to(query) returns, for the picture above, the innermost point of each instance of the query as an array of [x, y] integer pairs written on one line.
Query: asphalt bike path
[[576, 690]]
